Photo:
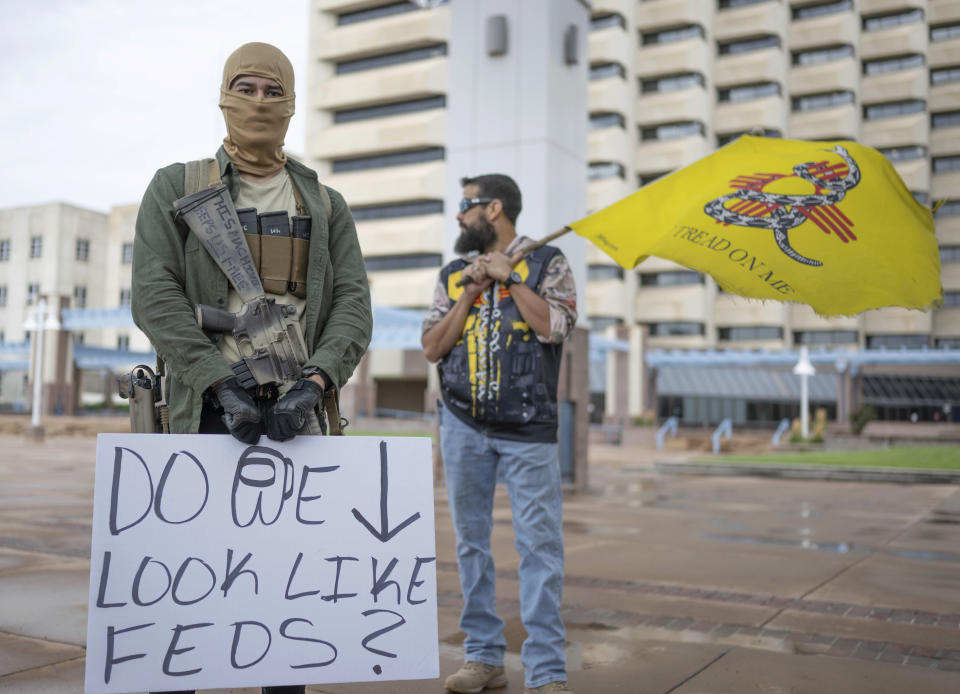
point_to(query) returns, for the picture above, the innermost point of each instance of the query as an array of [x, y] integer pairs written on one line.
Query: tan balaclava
[[256, 127]]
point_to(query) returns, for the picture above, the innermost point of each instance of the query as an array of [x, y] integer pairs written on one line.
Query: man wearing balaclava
[[325, 280]]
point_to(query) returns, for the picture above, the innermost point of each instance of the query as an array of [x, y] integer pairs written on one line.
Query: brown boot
[[474, 677], [549, 688]]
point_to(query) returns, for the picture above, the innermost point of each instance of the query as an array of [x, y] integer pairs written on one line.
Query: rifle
[[268, 334]]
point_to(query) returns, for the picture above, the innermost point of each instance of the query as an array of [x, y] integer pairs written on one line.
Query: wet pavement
[[682, 585]]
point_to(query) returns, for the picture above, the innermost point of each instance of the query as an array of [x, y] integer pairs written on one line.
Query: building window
[[946, 164], [601, 323], [125, 296], [123, 342], [944, 32], [604, 272], [670, 278], [818, 56], [748, 92], [36, 246], [672, 131], [598, 121], [397, 108], [682, 33], [601, 71], [888, 21], [4, 249], [813, 102], [947, 343], [897, 341], [732, 4], [644, 179], [344, 67], [944, 119], [891, 109], [904, 153], [378, 161], [757, 43], [398, 209], [379, 12], [676, 329], [126, 253], [605, 169], [80, 297], [950, 208], [730, 137], [922, 198], [825, 337], [945, 75], [83, 249], [672, 83], [950, 254], [3, 295], [895, 64], [33, 293], [822, 8], [605, 21], [408, 261], [951, 298], [750, 332]]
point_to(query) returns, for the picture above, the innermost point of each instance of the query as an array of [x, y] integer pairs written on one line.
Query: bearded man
[[325, 280], [498, 340]]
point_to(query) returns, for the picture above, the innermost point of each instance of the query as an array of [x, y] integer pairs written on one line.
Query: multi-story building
[[72, 258], [670, 81]]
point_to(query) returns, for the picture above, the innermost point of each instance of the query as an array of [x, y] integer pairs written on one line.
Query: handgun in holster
[[142, 387]]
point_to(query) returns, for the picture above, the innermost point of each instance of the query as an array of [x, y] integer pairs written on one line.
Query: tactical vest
[[499, 377], [280, 247]]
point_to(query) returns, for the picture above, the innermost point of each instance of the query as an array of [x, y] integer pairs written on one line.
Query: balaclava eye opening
[[256, 126]]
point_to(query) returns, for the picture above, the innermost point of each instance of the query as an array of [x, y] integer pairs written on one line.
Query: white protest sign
[[217, 564]]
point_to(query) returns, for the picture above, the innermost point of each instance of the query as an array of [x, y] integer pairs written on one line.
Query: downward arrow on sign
[[383, 534]]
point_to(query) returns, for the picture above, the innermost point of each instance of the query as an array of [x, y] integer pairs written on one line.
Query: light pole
[[38, 323], [804, 369]]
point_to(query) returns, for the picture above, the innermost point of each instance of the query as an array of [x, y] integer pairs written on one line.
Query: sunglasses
[[467, 203]]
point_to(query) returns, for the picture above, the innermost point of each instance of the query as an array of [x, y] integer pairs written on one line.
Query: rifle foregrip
[[215, 320]]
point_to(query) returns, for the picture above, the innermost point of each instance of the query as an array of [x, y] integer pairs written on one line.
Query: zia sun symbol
[[751, 206]]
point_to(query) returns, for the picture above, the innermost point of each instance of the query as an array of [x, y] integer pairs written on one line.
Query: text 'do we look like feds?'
[[216, 564]]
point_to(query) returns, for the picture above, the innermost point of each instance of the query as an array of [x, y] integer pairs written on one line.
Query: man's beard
[[478, 237]]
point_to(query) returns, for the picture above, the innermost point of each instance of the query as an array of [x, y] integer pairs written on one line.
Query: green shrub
[[859, 419]]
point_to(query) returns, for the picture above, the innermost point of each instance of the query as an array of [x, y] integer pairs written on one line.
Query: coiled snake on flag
[[782, 220]]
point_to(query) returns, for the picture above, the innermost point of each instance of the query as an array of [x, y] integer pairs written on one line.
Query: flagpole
[[542, 242]]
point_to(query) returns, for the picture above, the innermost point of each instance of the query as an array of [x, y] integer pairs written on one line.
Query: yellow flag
[[829, 224]]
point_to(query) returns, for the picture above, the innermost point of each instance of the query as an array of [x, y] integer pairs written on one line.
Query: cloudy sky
[[101, 93]]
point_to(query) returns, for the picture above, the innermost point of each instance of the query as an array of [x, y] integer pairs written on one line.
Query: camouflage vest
[[499, 377]]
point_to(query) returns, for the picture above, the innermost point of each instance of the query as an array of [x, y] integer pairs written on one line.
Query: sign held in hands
[[216, 564]]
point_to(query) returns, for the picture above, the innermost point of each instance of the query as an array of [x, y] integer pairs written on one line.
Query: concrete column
[[637, 371], [616, 408], [59, 385], [522, 113]]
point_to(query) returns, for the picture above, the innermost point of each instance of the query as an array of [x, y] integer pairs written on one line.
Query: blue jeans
[[532, 475]]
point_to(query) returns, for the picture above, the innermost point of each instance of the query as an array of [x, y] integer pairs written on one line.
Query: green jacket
[[172, 273]]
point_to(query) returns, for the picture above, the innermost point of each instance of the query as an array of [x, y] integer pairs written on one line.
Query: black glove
[[240, 413], [288, 416]]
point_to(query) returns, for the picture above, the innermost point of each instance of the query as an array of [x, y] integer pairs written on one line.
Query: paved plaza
[[675, 584]]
